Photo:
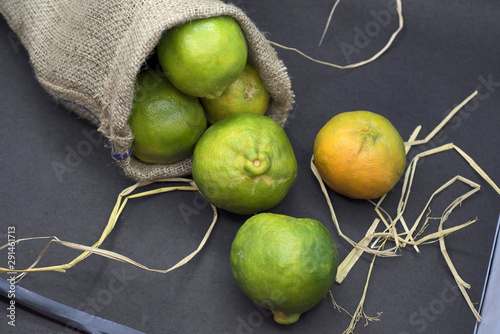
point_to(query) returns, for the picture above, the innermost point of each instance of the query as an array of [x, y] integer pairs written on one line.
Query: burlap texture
[[88, 53]]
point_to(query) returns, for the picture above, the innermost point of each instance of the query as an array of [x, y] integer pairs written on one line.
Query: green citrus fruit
[[246, 94], [166, 123], [244, 163], [284, 264], [203, 57], [360, 154]]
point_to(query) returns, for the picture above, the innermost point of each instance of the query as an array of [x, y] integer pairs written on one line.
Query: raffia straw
[[359, 313], [412, 137], [461, 283], [20, 276], [341, 309], [328, 21], [433, 237], [439, 190], [353, 257], [425, 225], [443, 122], [410, 171], [384, 253], [443, 219], [62, 268], [387, 221], [361, 63], [337, 306], [436, 235], [122, 200]]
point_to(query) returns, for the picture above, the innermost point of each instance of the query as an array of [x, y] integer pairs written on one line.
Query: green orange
[[246, 94], [284, 264], [203, 57], [244, 163], [166, 123]]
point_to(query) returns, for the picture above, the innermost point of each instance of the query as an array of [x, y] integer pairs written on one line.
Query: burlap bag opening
[[87, 55]]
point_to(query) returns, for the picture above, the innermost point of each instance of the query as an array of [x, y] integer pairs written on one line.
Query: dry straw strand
[[461, 283], [358, 64], [440, 189], [122, 200], [412, 137], [337, 306], [328, 21], [410, 172], [385, 253], [353, 257], [359, 313], [443, 122]]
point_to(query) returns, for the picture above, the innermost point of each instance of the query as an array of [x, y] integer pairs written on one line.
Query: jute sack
[[88, 53]]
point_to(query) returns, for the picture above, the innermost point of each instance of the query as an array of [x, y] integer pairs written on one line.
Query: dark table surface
[[446, 50]]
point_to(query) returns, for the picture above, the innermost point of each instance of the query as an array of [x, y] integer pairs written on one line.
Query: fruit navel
[[259, 165]]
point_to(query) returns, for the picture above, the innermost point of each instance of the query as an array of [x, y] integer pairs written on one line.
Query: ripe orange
[[360, 154]]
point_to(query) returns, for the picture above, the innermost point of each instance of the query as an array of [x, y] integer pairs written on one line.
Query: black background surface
[[446, 50]]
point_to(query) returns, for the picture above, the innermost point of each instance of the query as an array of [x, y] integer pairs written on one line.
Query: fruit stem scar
[[256, 162]]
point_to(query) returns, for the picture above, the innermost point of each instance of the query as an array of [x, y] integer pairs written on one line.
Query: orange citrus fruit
[[244, 163], [284, 264], [246, 94], [203, 57], [166, 123], [359, 154]]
